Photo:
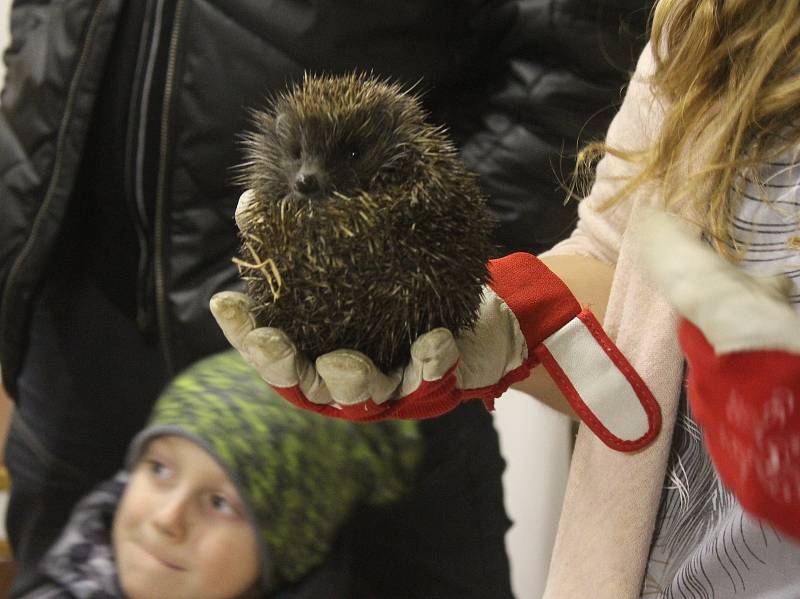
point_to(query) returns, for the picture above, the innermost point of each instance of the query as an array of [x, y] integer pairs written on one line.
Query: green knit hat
[[300, 474]]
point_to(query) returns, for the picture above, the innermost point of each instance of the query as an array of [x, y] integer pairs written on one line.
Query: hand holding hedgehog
[[365, 248], [353, 196]]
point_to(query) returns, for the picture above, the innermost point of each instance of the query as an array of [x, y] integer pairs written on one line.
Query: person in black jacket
[[117, 137]]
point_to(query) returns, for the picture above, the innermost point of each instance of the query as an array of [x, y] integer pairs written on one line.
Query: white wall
[[536, 442]]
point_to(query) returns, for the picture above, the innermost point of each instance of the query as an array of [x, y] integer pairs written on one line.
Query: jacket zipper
[[162, 315], [134, 170]]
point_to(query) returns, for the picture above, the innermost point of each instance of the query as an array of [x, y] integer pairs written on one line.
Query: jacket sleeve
[[557, 71]]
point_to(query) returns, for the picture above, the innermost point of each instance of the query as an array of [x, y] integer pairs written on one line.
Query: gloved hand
[[741, 338], [527, 316]]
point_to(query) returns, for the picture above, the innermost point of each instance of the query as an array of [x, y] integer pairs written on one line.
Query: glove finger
[[494, 346], [352, 378], [232, 311], [273, 355], [277, 361], [245, 201], [432, 355]]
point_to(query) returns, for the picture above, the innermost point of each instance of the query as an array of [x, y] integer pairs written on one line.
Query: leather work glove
[[527, 316], [741, 338]]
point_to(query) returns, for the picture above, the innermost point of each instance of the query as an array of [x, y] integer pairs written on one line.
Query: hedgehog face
[[320, 160], [337, 153], [317, 144]]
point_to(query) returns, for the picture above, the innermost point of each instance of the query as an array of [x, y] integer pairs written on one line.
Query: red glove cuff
[[539, 299], [747, 405], [597, 380]]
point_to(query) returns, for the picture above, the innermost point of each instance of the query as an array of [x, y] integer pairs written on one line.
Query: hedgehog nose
[[306, 183]]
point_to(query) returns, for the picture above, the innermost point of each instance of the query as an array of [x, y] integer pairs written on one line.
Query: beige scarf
[[612, 498]]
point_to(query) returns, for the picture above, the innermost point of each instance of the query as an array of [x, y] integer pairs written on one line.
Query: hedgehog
[[365, 229]]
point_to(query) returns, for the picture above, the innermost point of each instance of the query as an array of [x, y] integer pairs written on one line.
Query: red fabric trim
[[643, 393], [748, 406], [430, 399], [540, 300], [583, 411], [491, 392]]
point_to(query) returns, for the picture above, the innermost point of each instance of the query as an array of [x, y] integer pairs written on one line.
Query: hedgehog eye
[[295, 151], [352, 153]]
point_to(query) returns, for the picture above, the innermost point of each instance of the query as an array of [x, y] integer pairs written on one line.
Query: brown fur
[[385, 237]]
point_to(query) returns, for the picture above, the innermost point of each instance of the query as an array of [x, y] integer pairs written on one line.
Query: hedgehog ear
[[385, 117], [282, 126]]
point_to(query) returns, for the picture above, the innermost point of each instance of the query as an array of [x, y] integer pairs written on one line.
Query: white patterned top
[[705, 546]]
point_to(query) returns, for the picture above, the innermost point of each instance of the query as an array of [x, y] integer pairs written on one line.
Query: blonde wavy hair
[[730, 73]]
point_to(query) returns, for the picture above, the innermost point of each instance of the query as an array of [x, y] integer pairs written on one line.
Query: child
[[709, 130], [229, 493]]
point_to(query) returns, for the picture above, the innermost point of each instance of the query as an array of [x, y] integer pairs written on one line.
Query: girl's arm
[[589, 280]]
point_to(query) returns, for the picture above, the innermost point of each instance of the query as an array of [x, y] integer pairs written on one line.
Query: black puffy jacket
[[516, 82]]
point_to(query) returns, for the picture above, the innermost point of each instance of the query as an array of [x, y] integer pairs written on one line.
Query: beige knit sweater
[[612, 498]]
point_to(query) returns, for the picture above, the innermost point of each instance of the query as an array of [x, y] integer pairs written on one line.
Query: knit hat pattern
[[300, 474]]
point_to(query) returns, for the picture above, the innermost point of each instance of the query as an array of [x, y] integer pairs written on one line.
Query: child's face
[[180, 529]]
